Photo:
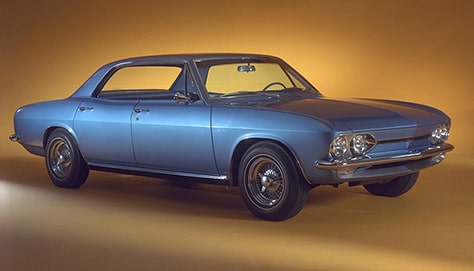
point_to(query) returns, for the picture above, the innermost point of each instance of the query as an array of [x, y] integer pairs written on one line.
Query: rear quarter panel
[[32, 121]]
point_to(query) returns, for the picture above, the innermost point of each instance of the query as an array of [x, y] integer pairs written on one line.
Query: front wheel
[[393, 188], [65, 165], [270, 183]]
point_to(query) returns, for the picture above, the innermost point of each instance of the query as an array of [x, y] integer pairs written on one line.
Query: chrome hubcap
[[60, 158], [265, 181]]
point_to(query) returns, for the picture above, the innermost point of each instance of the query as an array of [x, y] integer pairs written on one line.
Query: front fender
[[307, 139]]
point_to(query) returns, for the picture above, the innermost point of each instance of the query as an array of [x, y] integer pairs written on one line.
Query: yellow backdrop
[[412, 50], [420, 51]]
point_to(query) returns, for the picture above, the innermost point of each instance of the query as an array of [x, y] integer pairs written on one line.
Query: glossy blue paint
[[174, 137], [32, 121], [198, 136], [304, 137], [103, 130]]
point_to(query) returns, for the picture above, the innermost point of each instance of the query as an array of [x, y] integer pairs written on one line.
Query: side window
[[140, 81]]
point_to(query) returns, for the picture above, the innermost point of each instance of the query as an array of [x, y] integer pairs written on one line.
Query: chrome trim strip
[[155, 171], [385, 160]]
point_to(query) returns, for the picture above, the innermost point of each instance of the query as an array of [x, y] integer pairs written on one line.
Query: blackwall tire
[[270, 183], [393, 188], [65, 165]]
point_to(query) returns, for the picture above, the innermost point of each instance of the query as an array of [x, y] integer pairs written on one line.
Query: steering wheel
[[273, 84]]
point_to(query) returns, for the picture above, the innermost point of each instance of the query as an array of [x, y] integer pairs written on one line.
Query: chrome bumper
[[14, 137], [387, 166]]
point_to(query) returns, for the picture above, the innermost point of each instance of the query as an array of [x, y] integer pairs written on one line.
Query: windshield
[[226, 79]]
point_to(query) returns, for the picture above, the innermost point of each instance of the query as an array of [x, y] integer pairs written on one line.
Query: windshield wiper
[[290, 90], [238, 93]]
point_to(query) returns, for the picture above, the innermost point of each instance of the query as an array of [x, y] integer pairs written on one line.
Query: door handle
[[140, 110], [83, 108]]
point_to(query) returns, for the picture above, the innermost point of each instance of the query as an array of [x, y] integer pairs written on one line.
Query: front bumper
[[14, 137], [369, 168]]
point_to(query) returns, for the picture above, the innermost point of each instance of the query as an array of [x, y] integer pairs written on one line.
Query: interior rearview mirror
[[246, 68]]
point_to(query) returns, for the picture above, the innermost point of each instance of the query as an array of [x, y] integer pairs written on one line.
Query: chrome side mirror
[[180, 97]]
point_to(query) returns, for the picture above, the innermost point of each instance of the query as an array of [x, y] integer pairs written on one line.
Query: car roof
[[193, 57]]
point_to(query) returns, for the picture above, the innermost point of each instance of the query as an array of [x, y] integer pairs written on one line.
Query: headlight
[[350, 146], [338, 148], [360, 144], [440, 135]]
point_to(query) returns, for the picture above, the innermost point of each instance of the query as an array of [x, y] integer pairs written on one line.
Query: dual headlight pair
[[350, 146]]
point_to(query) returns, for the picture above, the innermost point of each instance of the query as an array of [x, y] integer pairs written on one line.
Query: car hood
[[364, 114], [352, 114]]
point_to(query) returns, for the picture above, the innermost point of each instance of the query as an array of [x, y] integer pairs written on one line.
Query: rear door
[[103, 130]]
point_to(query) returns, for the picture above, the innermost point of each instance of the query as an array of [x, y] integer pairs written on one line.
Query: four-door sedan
[[233, 119]]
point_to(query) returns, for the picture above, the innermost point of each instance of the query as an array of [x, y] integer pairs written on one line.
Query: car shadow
[[179, 196], [346, 214], [138, 192]]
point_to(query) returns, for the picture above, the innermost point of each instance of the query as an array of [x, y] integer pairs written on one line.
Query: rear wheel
[[65, 165], [394, 188], [270, 183]]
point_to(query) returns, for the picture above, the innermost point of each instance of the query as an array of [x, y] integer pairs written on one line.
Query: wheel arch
[[53, 127], [242, 147]]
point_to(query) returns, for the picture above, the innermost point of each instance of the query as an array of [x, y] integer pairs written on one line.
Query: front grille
[[401, 146]]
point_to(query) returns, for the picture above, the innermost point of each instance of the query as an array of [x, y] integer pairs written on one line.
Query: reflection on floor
[[119, 222]]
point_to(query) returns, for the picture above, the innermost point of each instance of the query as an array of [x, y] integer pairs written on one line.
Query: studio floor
[[120, 222]]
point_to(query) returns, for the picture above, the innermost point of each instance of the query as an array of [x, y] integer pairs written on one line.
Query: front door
[[174, 137]]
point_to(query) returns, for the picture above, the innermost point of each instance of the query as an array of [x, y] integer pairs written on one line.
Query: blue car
[[241, 120]]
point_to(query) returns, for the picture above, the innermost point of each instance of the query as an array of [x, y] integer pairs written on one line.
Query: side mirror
[[180, 97]]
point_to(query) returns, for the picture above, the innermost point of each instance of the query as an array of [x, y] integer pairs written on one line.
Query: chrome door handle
[[83, 108], [140, 110]]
